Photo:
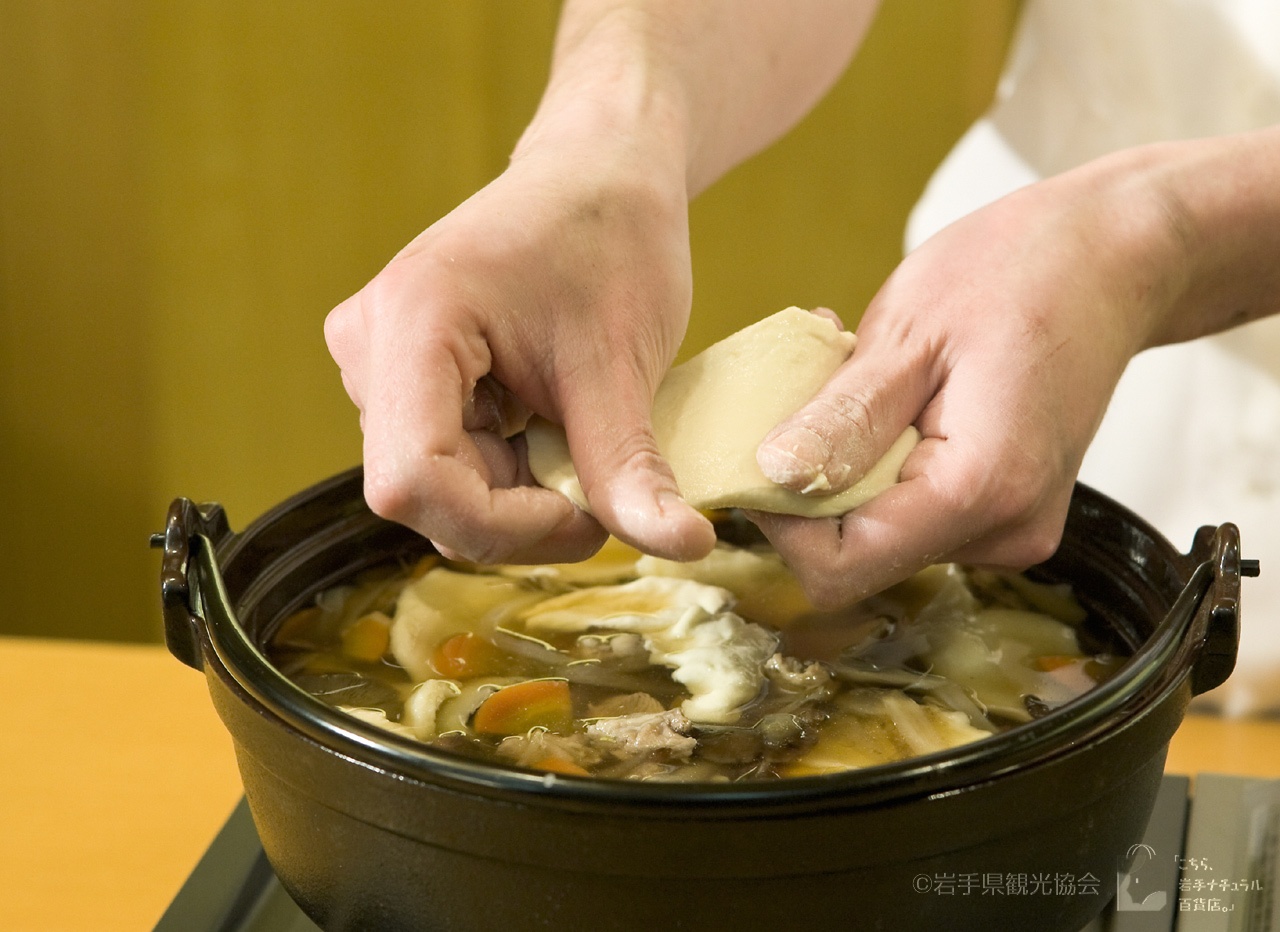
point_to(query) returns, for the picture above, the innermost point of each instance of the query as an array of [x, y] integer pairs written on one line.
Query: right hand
[[563, 288]]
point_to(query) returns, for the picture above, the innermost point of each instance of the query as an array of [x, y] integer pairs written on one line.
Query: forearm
[[706, 83], [1181, 238], [1221, 201]]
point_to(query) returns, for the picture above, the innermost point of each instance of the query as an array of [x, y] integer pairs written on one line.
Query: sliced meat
[[625, 704], [533, 749], [645, 733]]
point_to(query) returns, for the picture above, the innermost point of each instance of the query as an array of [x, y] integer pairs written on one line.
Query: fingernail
[[645, 505], [795, 459]]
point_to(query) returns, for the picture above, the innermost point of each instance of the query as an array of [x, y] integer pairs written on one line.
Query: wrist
[[611, 104], [706, 84], [1112, 221], [1199, 221], [1222, 201]]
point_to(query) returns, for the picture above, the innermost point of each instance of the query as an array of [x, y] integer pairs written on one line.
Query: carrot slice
[[466, 655], [1051, 662], [514, 709], [368, 637], [560, 765], [293, 630]]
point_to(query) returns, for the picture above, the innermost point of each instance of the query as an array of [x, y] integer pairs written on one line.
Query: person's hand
[[1001, 339], [563, 289]]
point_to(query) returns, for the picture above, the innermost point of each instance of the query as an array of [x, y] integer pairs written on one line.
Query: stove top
[[1209, 862]]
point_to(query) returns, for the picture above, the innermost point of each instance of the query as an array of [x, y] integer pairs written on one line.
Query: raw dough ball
[[712, 412]]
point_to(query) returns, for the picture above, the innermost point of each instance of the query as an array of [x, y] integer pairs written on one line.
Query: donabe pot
[[370, 831]]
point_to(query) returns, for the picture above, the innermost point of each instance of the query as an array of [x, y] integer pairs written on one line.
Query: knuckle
[[389, 493], [460, 526], [1040, 543], [851, 412], [847, 424], [1018, 549], [337, 330], [1023, 529], [389, 287], [842, 420], [1041, 534], [632, 452]]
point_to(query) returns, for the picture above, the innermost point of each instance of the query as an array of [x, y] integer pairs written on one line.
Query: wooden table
[[118, 774]]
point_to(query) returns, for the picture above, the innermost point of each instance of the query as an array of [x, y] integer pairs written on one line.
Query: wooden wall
[[186, 189]]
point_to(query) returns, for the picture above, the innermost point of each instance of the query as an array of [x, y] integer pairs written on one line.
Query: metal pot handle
[[1215, 631], [187, 527]]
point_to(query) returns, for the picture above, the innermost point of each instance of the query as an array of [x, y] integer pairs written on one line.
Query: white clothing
[[1192, 435]]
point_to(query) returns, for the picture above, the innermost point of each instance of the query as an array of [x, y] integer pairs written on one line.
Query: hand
[[1001, 339], [563, 288]]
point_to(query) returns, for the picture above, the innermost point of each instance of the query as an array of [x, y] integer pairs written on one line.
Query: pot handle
[[187, 527], [1217, 623]]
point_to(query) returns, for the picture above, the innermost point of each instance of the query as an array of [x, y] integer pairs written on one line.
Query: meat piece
[[645, 733], [627, 704], [534, 748]]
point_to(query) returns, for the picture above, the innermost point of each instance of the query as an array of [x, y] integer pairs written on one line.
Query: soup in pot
[[631, 667]]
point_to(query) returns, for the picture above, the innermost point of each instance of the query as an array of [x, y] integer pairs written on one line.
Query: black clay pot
[[368, 831]]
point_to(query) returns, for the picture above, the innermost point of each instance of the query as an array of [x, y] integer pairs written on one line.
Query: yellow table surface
[[118, 774]]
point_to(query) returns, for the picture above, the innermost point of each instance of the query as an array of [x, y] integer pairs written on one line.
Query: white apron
[[1192, 435]]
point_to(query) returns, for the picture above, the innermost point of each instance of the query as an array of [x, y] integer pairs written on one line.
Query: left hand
[[1001, 339]]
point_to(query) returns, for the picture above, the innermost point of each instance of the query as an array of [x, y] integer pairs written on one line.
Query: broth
[[631, 667]]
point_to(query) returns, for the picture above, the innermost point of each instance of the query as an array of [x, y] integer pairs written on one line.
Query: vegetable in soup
[[628, 666]]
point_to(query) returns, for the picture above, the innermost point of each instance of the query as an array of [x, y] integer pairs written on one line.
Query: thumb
[[627, 482], [835, 439]]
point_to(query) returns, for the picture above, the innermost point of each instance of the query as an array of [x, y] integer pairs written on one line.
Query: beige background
[[186, 189]]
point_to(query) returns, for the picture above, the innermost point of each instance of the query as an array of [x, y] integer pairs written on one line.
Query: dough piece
[[712, 412]]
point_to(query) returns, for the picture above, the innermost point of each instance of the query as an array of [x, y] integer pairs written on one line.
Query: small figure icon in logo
[[1133, 883]]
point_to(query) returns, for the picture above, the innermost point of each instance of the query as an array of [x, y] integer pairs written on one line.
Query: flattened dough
[[711, 413]]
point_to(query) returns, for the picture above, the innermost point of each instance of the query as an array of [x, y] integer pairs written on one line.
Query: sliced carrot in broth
[[298, 628], [368, 637], [514, 709], [560, 765], [1050, 662], [466, 655]]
